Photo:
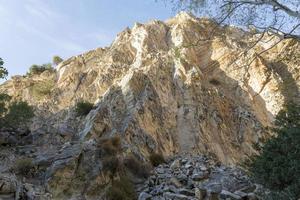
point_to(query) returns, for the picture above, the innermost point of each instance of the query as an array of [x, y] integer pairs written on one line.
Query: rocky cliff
[[185, 85]]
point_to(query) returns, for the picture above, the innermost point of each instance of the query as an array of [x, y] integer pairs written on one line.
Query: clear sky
[[32, 31]]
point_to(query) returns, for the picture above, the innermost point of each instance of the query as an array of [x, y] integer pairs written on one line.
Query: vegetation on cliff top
[[3, 71], [38, 69], [13, 114], [83, 108]]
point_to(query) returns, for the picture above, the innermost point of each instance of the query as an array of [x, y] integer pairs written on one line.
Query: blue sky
[[32, 31]]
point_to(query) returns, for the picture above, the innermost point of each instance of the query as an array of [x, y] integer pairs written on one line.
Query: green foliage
[[121, 189], [156, 159], [288, 117], [19, 114], [24, 167], [42, 88], [83, 108], [177, 52], [4, 99], [14, 114], [56, 60], [278, 165], [214, 81], [38, 69], [3, 71]]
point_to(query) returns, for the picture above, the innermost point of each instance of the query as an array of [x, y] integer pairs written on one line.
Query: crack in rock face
[[159, 92]]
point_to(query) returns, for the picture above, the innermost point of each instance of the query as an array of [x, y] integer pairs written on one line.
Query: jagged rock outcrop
[[161, 87]]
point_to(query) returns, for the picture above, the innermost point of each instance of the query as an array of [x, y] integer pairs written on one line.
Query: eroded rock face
[[162, 87]]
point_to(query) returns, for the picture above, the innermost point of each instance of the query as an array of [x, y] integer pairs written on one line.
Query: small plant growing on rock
[[136, 167], [156, 159], [110, 147], [19, 114], [116, 142], [56, 60], [214, 81], [38, 69], [121, 189], [42, 88], [83, 108], [111, 165], [24, 167]]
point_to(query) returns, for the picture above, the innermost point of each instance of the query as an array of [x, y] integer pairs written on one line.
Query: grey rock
[[226, 194], [182, 178], [215, 188], [186, 192], [200, 176], [188, 166], [243, 195], [144, 196], [200, 193], [160, 170], [175, 164], [175, 182], [248, 189], [203, 168], [169, 195], [252, 196]]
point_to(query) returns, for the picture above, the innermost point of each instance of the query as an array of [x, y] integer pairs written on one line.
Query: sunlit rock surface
[[162, 87]]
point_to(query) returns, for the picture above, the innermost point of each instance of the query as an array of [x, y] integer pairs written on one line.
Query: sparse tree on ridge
[[13, 113], [56, 60], [38, 69], [3, 71]]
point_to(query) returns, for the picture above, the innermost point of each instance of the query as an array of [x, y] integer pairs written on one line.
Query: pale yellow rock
[[163, 87]]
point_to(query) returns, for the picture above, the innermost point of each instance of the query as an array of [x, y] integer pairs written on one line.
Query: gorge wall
[[162, 87]]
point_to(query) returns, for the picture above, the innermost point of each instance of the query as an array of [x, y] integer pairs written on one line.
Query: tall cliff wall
[[164, 87]]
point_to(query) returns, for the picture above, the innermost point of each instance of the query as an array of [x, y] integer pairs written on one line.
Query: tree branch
[[273, 3]]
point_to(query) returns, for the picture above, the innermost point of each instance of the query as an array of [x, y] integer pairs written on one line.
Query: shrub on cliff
[[4, 99], [24, 167], [3, 71], [156, 159], [83, 108], [38, 69], [278, 165], [136, 167], [15, 114], [19, 114], [111, 165], [56, 60], [122, 189]]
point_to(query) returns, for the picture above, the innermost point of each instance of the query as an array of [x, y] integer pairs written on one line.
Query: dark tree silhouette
[[3, 71]]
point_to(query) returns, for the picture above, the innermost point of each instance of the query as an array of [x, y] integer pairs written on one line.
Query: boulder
[[200, 193], [144, 196]]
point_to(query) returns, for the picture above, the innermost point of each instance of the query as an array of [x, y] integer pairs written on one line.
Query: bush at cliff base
[[278, 165]]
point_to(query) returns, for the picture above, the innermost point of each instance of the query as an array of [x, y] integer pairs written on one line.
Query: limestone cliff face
[[164, 87]]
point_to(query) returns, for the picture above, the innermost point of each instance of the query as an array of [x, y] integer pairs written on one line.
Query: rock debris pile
[[197, 178]]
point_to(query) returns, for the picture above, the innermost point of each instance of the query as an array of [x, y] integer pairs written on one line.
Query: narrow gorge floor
[[189, 177]]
